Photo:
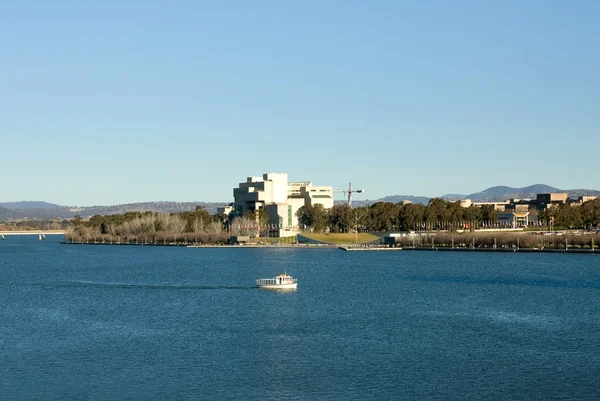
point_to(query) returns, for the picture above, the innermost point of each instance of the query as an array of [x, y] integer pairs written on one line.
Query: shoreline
[[595, 251], [184, 245], [457, 249]]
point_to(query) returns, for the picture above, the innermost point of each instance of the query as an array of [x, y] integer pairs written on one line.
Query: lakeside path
[[33, 232]]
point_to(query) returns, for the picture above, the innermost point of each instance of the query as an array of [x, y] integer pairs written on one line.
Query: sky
[[111, 102]]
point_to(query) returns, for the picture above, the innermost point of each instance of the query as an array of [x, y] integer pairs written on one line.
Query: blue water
[[84, 322]]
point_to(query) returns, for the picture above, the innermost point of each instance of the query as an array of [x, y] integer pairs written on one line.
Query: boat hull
[[290, 286]]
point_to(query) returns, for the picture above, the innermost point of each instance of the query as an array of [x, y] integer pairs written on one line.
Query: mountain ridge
[[497, 193], [40, 209], [66, 212]]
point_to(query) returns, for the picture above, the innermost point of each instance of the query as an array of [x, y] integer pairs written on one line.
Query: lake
[[96, 322]]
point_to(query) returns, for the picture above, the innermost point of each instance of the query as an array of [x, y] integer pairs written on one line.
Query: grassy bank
[[342, 238]]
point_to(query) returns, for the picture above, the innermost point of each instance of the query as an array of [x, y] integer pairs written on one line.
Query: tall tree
[[411, 215], [590, 213], [315, 217]]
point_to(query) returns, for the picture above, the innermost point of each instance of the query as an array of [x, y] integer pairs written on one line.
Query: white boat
[[281, 282]]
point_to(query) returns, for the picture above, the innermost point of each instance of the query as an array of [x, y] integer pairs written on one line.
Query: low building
[[514, 219], [525, 212], [465, 203], [500, 206], [392, 239], [239, 239]]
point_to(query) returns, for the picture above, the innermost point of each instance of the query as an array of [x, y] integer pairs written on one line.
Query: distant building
[[552, 198], [226, 210], [514, 219], [500, 206], [465, 203], [524, 212], [542, 202], [280, 199], [581, 200]]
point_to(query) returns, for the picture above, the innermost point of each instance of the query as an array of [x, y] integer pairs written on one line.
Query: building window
[[289, 215]]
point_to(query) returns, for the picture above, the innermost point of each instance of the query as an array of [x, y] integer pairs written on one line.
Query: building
[[225, 210], [552, 198], [496, 205], [514, 219], [581, 200], [525, 212], [280, 199]]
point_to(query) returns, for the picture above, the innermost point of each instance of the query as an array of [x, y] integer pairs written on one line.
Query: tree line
[[35, 225], [437, 215], [197, 226], [201, 226], [565, 216]]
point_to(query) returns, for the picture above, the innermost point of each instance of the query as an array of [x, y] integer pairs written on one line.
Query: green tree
[[568, 217], [488, 213], [455, 212], [340, 218], [384, 216], [590, 213], [475, 213], [316, 217], [411, 216], [436, 212]]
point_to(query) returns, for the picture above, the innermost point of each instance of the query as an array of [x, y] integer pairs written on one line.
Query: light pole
[[368, 222], [356, 226]]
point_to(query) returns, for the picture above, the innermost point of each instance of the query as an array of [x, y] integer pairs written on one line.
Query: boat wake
[[95, 284]]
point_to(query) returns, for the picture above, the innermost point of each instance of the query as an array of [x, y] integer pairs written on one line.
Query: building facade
[[524, 212], [279, 199]]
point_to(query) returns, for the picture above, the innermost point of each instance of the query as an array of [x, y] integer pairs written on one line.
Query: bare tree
[[177, 224], [198, 225], [147, 223], [215, 227]]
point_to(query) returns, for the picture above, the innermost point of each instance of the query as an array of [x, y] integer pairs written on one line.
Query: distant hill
[[399, 198], [158, 207], [38, 209], [66, 212], [6, 214], [453, 197], [495, 194], [582, 192], [29, 205], [500, 193]]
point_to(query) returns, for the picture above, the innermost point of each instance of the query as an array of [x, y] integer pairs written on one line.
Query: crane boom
[[349, 191]]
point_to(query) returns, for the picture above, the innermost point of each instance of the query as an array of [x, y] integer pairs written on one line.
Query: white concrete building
[[280, 199]]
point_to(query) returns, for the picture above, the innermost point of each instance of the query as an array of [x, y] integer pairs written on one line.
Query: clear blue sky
[[106, 102]]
